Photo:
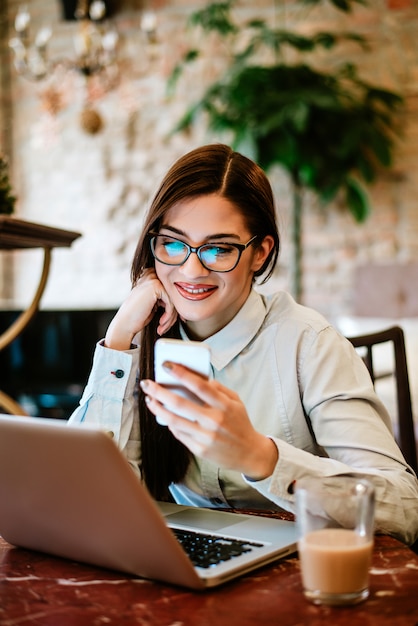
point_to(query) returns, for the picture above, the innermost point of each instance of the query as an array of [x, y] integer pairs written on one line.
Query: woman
[[288, 395]]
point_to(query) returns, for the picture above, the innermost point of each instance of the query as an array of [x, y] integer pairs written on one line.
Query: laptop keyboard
[[206, 550]]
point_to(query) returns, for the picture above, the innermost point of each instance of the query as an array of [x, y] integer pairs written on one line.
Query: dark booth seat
[[46, 367]]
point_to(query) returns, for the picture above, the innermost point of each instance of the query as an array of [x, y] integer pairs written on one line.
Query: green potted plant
[[7, 199], [330, 130]]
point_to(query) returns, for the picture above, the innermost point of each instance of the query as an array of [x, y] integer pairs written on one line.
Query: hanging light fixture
[[95, 51], [95, 43]]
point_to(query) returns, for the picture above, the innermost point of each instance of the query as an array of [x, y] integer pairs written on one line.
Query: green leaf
[[305, 44], [326, 40], [342, 5], [380, 145], [357, 200], [215, 17], [389, 99], [307, 175], [362, 41], [189, 57], [365, 168]]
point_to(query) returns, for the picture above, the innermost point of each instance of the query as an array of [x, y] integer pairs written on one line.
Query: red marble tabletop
[[39, 590]]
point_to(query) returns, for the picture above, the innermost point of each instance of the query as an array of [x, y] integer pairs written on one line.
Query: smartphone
[[193, 354]]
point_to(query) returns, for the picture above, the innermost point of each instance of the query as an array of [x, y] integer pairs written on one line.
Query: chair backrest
[[406, 432]]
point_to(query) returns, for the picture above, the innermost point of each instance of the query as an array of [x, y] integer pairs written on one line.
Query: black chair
[[406, 433]]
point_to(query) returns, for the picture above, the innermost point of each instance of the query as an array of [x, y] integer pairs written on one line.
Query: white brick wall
[[100, 185]]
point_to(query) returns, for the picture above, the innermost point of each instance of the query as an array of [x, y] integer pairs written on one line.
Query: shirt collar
[[232, 339]]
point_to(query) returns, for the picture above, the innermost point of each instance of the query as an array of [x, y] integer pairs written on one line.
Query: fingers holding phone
[[208, 418]]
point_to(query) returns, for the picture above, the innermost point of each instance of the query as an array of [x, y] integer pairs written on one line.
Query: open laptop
[[67, 490]]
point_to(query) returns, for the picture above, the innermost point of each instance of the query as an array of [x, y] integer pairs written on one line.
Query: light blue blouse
[[303, 385]]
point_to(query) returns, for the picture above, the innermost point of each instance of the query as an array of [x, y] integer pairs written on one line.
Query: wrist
[[116, 340], [265, 461]]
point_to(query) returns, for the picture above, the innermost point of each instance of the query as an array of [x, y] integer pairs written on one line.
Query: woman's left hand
[[217, 428]]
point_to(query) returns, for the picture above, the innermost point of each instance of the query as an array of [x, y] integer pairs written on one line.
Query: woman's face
[[204, 299]]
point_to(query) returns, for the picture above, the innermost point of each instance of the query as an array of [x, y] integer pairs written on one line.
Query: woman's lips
[[194, 292]]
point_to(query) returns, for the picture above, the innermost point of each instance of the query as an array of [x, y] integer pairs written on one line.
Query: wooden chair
[[406, 433]]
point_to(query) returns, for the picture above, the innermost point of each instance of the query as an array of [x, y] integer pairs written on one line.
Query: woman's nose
[[193, 267]]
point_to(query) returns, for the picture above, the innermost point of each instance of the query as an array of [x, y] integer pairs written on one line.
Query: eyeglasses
[[216, 257]]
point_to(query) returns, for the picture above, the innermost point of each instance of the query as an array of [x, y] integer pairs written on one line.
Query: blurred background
[[87, 134]]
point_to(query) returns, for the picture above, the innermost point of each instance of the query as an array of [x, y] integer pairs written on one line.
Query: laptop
[[67, 490]]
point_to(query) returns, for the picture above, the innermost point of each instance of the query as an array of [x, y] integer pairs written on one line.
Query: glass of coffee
[[335, 518]]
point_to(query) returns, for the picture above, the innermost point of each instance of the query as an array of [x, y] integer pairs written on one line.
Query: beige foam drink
[[335, 561], [335, 516]]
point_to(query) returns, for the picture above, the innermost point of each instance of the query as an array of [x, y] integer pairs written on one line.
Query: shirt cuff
[[293, 464], [113, 374]]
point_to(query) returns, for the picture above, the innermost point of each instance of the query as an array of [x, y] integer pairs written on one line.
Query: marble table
[[40, 590]]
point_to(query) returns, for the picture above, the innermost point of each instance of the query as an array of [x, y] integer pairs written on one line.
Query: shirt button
[[118, 373]]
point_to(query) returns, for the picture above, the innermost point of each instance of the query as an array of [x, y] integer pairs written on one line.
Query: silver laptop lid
[[68, 491]]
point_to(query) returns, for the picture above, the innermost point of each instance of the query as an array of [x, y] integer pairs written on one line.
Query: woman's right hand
[[138, 310]]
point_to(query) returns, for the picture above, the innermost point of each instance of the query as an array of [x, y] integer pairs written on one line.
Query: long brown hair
[[214, 168]]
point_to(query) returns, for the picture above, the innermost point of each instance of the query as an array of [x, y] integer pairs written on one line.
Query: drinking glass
[[335, 518]]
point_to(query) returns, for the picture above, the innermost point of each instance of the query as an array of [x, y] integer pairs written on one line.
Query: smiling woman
[[287, 395], [219, 276]]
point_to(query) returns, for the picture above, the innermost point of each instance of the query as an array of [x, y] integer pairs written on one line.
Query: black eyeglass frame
[[239, 246]]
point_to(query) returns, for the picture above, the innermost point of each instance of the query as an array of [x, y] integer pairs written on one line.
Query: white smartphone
[[193, 354]]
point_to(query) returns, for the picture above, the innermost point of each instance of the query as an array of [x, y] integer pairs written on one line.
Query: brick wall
[[100, 184]]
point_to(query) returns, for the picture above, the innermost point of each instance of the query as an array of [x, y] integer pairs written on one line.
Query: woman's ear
[[261, 252]]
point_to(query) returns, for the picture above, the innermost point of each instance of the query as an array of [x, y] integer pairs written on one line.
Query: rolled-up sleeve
[[110, 397]]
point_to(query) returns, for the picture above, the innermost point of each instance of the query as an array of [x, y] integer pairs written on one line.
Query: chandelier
[[95, 51], [95, 43]]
